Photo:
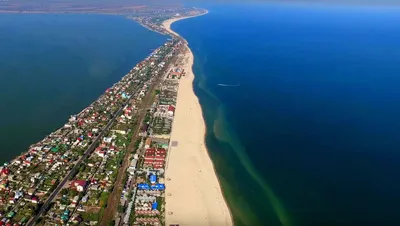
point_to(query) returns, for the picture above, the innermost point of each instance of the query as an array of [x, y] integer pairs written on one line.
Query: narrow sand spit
[[193, 195]]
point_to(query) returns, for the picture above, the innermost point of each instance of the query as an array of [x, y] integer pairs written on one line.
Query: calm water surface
[[52, 66], [311, 135]]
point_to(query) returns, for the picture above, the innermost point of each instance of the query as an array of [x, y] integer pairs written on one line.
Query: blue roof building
[[154, 206], [153, 178]]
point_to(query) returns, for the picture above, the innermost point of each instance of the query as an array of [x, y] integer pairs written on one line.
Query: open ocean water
[[311, 136], [54, 65]]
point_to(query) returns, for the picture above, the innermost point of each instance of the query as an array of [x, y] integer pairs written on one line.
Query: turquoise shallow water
[[52, 66], [310, 137]]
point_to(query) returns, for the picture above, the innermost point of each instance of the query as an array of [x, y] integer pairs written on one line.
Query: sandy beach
[[194, 196]]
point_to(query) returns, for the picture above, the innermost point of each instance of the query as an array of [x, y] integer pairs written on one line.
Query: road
[[75, 168], [148, 101], [114, 199], [107, 217]]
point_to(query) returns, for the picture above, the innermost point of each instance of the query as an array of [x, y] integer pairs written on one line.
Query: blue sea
[[309, 135], [53, 66]]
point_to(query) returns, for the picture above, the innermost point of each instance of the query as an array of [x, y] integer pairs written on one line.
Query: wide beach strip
[[194, 195]]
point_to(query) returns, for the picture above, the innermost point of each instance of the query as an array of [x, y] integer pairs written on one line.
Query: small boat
[[229, 85]]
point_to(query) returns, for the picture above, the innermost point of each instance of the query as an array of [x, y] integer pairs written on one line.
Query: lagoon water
[[311, 135], [52, 66]]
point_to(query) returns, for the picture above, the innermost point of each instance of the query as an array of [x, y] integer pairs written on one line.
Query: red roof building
[[171, 109], [79, 185], [34, 199], [155, 157], [5, 172]]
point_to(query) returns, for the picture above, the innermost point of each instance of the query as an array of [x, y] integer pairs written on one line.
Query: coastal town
[[105, 165], [153, 18]]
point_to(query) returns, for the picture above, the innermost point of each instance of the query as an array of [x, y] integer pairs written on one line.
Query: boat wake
[[229, 85]]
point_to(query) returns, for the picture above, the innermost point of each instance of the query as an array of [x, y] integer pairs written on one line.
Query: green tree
[[72, 192], [121, 209], [103, 199]]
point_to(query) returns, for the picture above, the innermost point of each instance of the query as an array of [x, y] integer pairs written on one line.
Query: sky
[[362, 2], [383, 2]]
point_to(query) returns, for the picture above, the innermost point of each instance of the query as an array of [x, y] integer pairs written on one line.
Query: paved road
[[75, 168]]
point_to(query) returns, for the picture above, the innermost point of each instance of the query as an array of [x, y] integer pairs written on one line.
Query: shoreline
[[198, 197], [197, 185]]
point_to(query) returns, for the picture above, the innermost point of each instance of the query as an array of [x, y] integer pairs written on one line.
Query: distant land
[[135, 6], [71, 6]]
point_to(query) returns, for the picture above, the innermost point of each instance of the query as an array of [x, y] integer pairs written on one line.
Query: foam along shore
[[193, 195]]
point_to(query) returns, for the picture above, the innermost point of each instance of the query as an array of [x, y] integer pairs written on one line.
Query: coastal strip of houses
[[27, 181]]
